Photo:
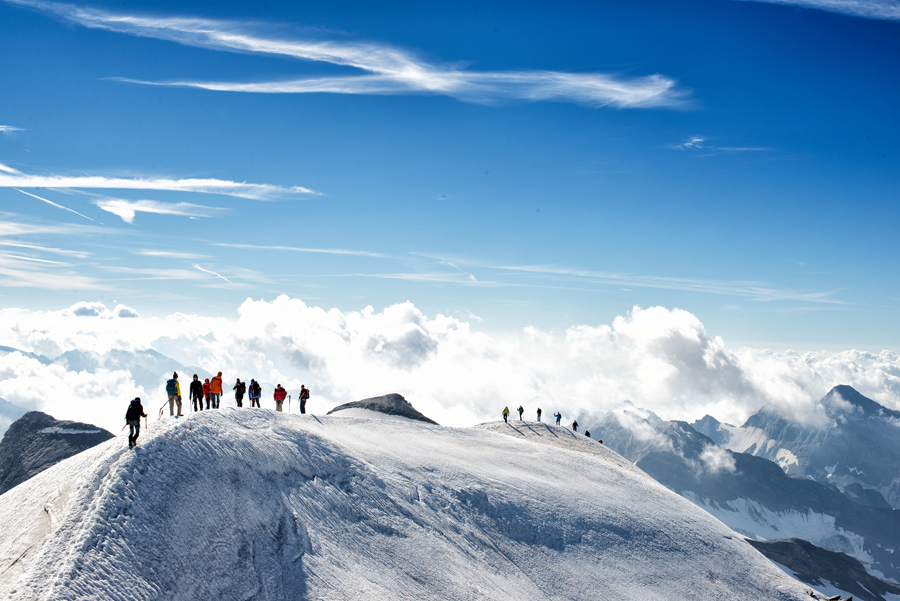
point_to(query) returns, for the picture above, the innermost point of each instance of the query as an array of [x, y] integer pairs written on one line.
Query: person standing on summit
[[174, 392], [558, 417], [255, 393], [206, 392], [539, 413], [133, 419], [521, 411], [215, 390], [304, 396], [239, 389], [280, 395], [196, 393], [505, 414]]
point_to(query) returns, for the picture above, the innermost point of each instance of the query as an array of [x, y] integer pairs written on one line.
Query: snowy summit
[[257, 504]]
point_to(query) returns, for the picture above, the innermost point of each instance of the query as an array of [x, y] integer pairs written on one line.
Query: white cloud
[[388, 70], [23, 272], [717, 459], [6, 128], [661, 359], [126, 209], [15, 179], [886, 10]]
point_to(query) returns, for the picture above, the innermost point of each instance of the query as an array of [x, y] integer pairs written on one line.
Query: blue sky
[[510, 164]]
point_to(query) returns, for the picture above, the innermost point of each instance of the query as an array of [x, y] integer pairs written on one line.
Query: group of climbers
[[210, 391], [557, 415]]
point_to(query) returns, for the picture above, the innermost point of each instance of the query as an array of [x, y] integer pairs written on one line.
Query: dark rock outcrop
[[36, 441], [390, 404], [813, 564]]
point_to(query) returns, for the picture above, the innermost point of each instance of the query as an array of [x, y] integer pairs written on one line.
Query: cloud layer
[[387, 70], [661, 359], [127, 209], [884, 10]]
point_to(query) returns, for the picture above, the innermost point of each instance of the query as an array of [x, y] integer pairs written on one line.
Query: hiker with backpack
[[558, 417], [304, 396], [133, 419], [206, 392], [280, 395], [505, 414], [196, 393], [521, 411], [174, 391], [539, 413], [255, 393], [215, 390], [239, 389], [575, 426]]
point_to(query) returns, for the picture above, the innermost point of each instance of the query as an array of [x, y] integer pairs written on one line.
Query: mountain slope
[[255, 504], [36, 442]]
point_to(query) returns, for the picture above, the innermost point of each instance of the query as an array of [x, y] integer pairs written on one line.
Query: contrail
[[50, 202]]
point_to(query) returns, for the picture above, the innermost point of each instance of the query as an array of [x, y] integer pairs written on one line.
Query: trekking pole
[[289, 403]]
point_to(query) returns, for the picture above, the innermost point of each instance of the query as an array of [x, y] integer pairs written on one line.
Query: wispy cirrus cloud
[[327, 251], [7, 128], [166, 254], [12, 178], [882, 10], [700, 143], [59, 251], [127, 209], [387, 70], [753, 290]]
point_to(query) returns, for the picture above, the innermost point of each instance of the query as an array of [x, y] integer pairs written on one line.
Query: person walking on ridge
[[505, 414], [133, 419], [587, 433], [304, 396], [255, 393], [521, 411], [196, 393], [215, 389], [206, 392], [539, 413], [575, 426], [174, 391], [280, 395], [239, 389], [558, 417]]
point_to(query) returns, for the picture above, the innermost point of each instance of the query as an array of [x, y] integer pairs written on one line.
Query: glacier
[[255, 504]]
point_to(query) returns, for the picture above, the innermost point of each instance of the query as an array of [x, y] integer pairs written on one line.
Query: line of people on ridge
[[211, 391], [557, 415]]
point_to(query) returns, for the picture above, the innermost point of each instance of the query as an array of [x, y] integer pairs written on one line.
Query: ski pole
[[289, 403]]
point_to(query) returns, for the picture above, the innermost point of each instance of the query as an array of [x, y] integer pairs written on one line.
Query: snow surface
[[368, 413], [241, 504]]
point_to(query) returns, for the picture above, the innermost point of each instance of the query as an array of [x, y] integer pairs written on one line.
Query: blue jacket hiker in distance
[[558, 417]]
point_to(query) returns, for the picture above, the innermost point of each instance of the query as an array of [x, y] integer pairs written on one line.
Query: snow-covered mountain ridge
[[257, 504]]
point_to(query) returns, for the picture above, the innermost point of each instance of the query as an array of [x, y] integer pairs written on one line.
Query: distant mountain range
[[855, 443], [766, 500]]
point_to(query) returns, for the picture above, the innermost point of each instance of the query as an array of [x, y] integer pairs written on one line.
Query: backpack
[[255, 390], [134, 411], [172, 386]]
